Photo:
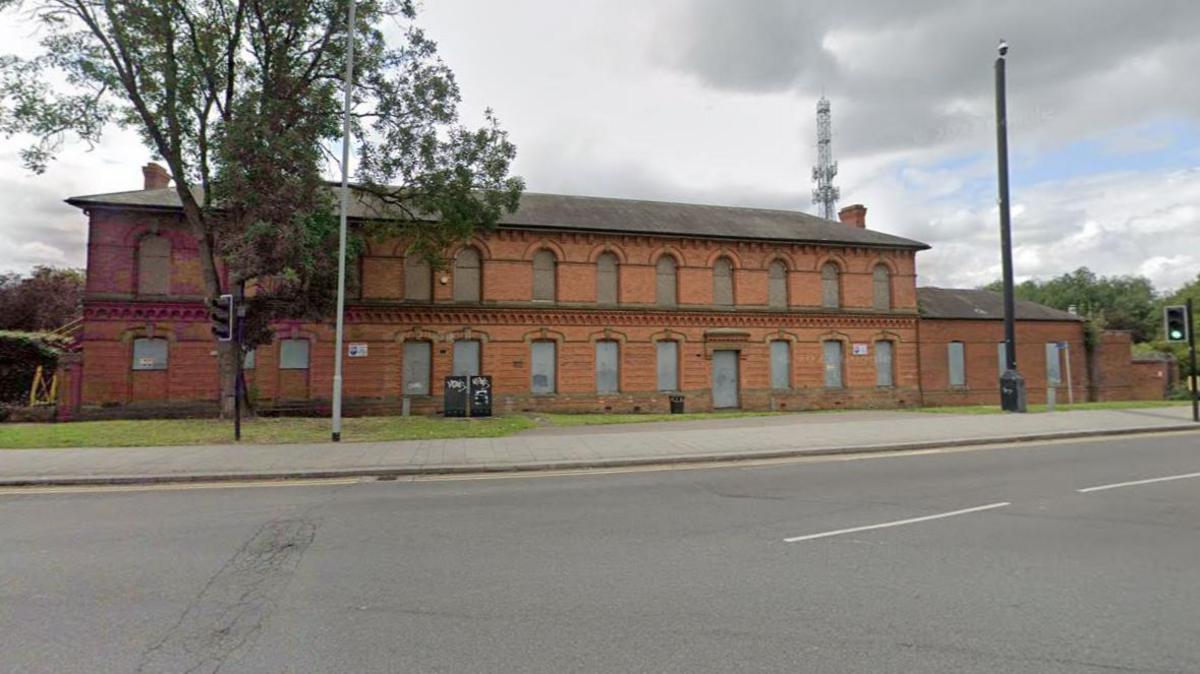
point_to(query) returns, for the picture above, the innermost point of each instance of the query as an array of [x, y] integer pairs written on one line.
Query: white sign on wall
[[358, 350], [859, 349]]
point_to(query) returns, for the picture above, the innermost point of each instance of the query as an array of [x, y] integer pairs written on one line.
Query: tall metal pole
[[1012, 385], [1191, 330], [341, 289]]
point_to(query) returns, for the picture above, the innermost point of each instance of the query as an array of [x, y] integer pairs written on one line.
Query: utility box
[[1012, 392], [456, 396], [481, 396]]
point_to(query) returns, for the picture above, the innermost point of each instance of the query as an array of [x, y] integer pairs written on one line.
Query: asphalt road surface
[[907, 563]]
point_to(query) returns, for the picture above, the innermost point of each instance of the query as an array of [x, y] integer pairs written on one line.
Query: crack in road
[[229, 612]]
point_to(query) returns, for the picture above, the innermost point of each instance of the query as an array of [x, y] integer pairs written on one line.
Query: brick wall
[[982, 360], [1111, 366], [1152, 378]]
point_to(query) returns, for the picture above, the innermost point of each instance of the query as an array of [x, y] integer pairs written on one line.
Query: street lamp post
[[341, 287], [1012, 384]]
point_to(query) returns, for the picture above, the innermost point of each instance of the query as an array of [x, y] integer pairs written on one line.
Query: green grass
[[1115, 405], [605, 419], [154, 432]]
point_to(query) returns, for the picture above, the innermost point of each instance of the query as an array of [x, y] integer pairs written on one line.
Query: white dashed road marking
[[1134, 483], [885, 525]]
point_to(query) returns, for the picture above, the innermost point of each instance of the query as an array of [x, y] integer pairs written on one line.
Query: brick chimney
[[854, 215], [155, 177]]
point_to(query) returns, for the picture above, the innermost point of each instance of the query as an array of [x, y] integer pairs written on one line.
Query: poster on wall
[[358, 350], [859, 349]]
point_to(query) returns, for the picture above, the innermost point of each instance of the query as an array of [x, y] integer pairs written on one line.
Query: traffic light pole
[[1191, 331]]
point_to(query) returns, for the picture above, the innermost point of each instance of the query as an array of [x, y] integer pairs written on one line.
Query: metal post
[[1191, 330], [239, 331], [341, 288], [1012, 385], [1070, 382]]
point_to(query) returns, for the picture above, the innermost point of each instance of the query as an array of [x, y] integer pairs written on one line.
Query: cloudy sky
[[713, 101]]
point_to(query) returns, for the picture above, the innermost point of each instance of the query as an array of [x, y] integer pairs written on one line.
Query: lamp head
[[1003, 48]]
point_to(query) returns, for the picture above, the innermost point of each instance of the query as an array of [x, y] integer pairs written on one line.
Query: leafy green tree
[[46, 299], [242, 100], [1113, 302]]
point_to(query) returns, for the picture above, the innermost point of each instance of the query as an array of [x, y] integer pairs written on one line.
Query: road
[[666, 571]]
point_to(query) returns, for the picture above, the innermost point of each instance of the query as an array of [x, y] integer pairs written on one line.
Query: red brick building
[[572, 303]]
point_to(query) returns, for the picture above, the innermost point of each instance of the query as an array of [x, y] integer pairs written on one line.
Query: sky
[[712, 101]]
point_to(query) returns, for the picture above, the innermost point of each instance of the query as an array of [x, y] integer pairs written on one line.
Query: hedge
[[20, 355]]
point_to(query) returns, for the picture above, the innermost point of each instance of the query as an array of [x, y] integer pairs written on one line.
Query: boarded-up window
[[607, 368], [664, 293], [544, 264], [542, 367], [883, 364], [668, 366], [956, 353], [833, 363], [150, 354], [154, 265], [1053, 365], [418, 279], [882, 279], [466, 275], [723, 282], [830, 286], [606, 279], [417, 357], [777, 290], [781, 364], [293, 354], [466, 358]]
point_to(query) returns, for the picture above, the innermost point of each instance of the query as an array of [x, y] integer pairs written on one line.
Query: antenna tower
[[825, 194]]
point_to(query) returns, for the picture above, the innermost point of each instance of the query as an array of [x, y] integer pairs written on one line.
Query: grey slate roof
[[560, 212], [963, 303]]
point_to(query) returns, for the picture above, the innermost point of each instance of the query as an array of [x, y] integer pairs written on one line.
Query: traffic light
[[224, 317], [1176, 320]]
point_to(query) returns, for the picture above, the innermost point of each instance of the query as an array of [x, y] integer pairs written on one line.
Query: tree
[[1113, 302], [242, 99], [47, 299]]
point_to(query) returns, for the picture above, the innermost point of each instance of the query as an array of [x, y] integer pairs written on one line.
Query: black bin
[[677, 404]]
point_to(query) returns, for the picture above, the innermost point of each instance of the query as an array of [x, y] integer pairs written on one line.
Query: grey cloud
[[919, 74]]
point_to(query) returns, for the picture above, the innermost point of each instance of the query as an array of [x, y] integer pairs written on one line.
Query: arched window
[[831, 296], [418, 278], [606, 279], [665, 287], [882, 279], [154, 265], [466, 275], [723, 282], [777, 290], [544, 264]]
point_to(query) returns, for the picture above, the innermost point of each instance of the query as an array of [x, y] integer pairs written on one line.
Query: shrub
[[20, 355]]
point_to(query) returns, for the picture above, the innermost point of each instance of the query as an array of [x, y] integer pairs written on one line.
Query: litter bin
[[676, 404]]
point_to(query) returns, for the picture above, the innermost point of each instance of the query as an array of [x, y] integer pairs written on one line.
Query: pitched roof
[[963, 303], [557, 212]]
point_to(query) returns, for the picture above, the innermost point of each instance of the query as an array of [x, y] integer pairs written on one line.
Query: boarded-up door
[[725, 379]]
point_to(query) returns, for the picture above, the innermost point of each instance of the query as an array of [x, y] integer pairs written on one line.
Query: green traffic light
[[1176, 334]]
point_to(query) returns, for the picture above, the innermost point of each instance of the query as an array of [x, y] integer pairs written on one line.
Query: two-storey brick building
[[576, 303], [572, 303]]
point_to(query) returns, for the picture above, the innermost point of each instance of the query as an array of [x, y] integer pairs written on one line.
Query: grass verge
[[156, 432], [995, 409]]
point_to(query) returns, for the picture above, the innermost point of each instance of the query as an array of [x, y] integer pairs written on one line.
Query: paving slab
[[577, 447]]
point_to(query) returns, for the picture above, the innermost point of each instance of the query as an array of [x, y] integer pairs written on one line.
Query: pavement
[[578, 447], [682, 571]]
